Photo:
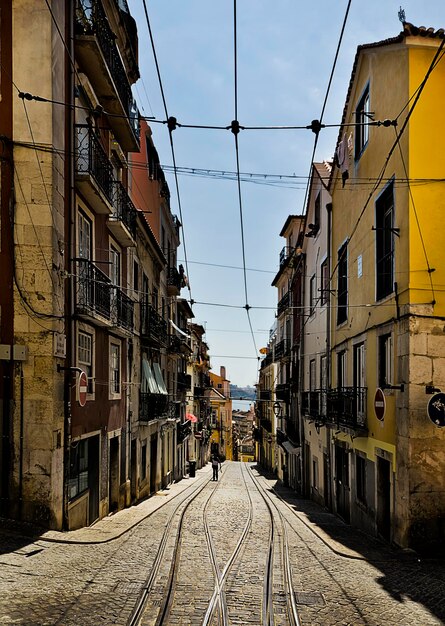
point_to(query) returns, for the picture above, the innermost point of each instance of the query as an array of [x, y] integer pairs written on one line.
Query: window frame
[[83, 364], [324, 279], [385, 360], [362, 115], [76, 479], [113, 394], [312, 293], [384, 243], [342, 284]]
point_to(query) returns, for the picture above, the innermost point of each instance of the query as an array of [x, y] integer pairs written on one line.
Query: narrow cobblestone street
[[95, 575]]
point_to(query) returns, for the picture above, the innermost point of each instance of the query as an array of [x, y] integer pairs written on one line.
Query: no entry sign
[[82, 386], [379, 404]]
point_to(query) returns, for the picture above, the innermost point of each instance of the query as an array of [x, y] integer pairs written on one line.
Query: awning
[[179, 329], [191, 417], [149, 384], [290, 449], [160, 381]]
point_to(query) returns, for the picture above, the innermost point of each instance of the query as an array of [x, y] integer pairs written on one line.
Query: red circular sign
[[379, 404], [82, 386]]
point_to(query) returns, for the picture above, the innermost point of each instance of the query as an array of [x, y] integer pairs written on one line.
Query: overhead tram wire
[[171, 122], [235, 128]]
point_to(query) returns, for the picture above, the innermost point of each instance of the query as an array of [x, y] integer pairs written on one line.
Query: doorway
[[384, 498], [153, 462], [133, 470], [342, 482], [114, 474], [93, 479]]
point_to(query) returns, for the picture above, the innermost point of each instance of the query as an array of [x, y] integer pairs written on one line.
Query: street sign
[[436, 409], [379, 404], [82, 388]]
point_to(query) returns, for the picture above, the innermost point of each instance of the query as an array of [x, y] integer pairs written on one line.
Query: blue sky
[[285, 54]]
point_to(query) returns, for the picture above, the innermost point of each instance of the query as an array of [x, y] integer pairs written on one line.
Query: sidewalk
[[114, 525]]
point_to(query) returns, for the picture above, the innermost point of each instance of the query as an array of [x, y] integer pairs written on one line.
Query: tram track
[[216, 610]]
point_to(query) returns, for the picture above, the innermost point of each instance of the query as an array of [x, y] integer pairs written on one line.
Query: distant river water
[[241, 405]]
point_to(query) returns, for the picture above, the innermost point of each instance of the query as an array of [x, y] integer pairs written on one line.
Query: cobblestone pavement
[[94, 575]]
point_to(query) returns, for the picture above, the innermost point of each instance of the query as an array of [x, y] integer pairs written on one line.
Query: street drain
[[311, 598]]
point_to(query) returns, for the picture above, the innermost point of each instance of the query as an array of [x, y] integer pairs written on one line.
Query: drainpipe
[[328, 346], [69, 255], [300, 384]]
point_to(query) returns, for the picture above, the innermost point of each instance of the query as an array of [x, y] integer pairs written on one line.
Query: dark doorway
[[307, 471], [93, 479], [326, 485], [384, 498], [114, 474], [133, 470], [153, 462], [342, 482]]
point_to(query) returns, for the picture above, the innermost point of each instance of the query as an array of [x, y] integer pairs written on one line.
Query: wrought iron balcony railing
[[153, 406], [92, 160], [265, 394], [153, 326], [285, 253], [268, 359], [282, 349], [284, 303], [91, 19], [124, 310], [174, 344], [313, 404], [266, 424], [175, 281], [282, 392], [184, 381], [123, 208], [93, 290], [346, 406]]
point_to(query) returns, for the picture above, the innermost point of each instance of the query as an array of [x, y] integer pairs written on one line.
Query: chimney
[[223, 372]]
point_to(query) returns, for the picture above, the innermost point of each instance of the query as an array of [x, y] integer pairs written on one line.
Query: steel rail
[[218, 596], [142, 602], [292, 609]]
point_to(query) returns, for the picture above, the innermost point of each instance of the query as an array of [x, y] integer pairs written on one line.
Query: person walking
[[216, 464]]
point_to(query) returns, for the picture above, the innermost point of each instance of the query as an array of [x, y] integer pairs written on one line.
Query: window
[[312, 295], [342, 284], [115, 266], [362, 117], [359, 377], [384, 212], [85, 242], [360, 478], [135, 276], [312, 367], [115, 369], [385, 373], [78, 480], [316, 225], [85, 356], [323, 384], [341, 369], [324, 290]]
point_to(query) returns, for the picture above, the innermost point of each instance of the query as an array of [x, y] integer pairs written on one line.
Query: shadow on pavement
[[404, 574]]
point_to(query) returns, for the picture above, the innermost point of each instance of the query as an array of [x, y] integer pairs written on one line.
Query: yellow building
[[221, 415], [387, 278]]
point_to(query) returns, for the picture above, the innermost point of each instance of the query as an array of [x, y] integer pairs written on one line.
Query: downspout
[[301, 381], [328, 346], [69, 255]]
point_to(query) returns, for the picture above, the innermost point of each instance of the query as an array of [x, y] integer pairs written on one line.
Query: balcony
[[206, 382], [124, 310], [153, 326], [152, 406], [122, 221], [174, 344], [93, 293], [99, 58], [184, 381], [266, 424], [265, 394], [313, 405], [175, 281], [346, 408], [282, 350], [94, 173], [283, 304], [268, 360], [285, 254], [198, 392], [282, 392], [293, 432]]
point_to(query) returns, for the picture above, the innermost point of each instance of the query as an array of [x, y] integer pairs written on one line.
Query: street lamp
[[277, 409]]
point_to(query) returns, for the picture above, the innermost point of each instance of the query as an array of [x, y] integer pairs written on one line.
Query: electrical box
[[5, 352]]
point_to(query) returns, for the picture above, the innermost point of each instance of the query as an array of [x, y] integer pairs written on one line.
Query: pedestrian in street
[[216, 464]]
